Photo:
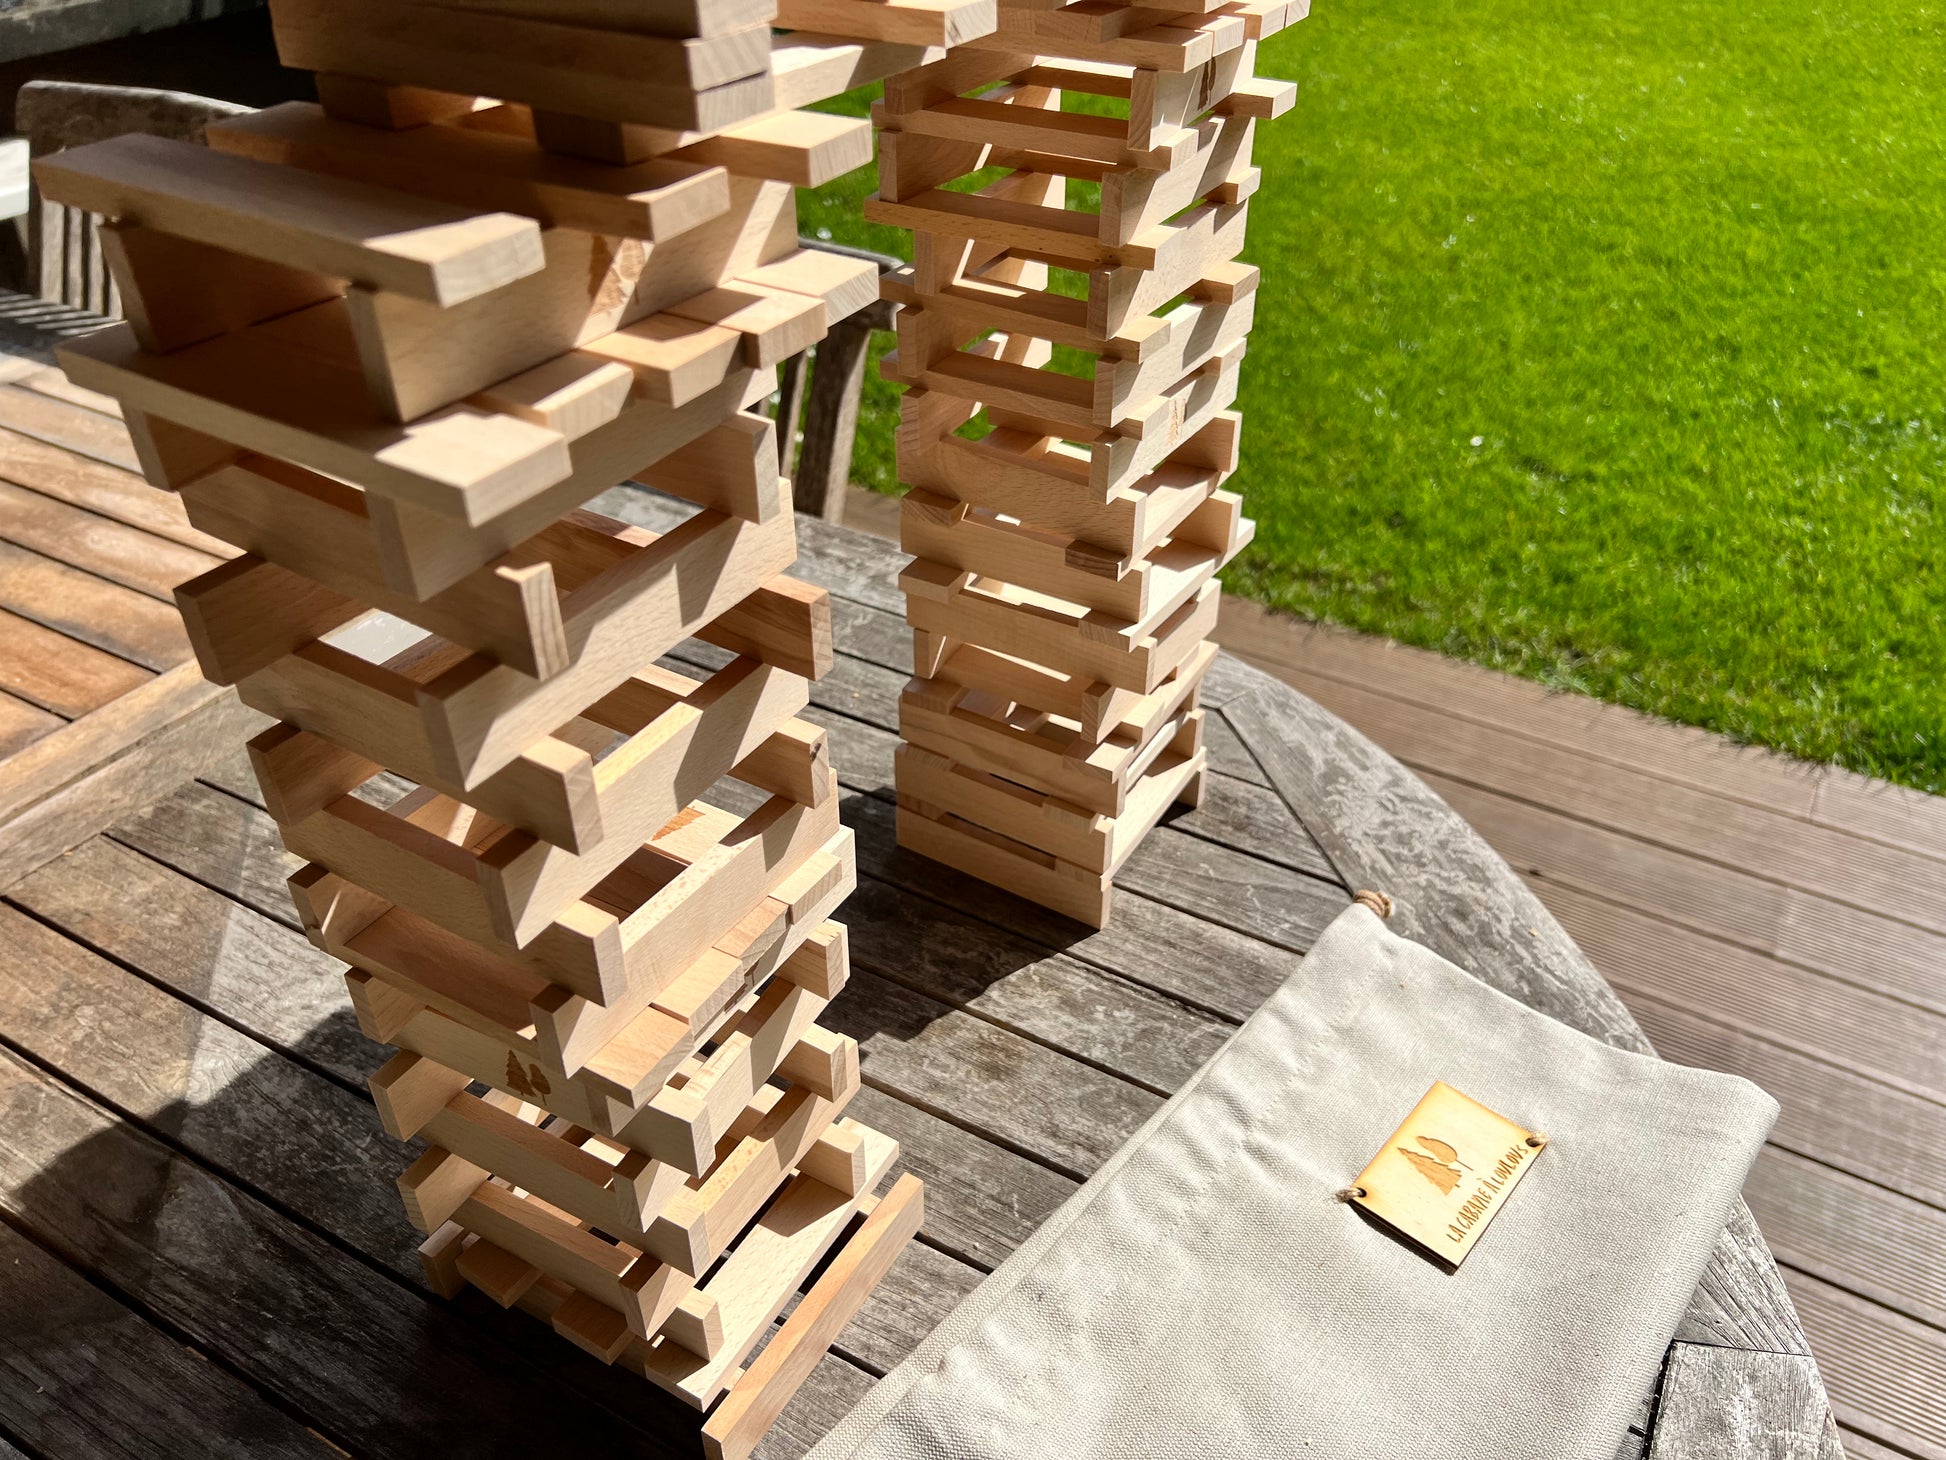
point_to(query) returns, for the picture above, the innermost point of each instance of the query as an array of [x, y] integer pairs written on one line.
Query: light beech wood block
[[610, 75], [368, 236], [468, 1024], [473, 167], [759, 1396]]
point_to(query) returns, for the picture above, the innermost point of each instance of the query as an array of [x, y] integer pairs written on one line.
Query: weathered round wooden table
[[1012, 1050]]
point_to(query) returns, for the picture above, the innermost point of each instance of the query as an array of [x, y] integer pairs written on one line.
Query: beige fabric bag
[[1205, 1294]]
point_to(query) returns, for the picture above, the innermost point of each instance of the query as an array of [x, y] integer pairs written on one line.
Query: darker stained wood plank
[[61, 676], [66, 425], [112, 618], [99, 545], [83, 1378], [21, 724]]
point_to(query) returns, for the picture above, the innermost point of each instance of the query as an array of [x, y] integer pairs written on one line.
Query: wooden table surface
[[203, 1252]]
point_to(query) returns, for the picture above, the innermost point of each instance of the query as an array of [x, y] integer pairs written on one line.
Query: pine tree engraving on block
[[1067, 528], [389, 346]]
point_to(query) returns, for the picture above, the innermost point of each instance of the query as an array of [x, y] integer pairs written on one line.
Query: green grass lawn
[[1605, 346]]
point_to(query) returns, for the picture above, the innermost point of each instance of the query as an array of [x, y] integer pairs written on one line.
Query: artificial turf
[[1603, 345]]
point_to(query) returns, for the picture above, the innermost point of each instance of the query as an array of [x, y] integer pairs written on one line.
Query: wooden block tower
[[389, 347], [1071, 332]]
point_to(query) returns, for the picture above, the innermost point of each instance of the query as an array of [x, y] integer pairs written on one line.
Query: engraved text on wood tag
[[1445, 1172]]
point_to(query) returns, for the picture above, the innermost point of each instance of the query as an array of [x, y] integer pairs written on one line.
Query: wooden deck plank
[[1886, 1374], [1680, 755], [71, 427], [109, 617], [1806, 1011], [82, 1378], [1829, 1114], [21, 724], [69, 783], [106, 490], [1798, 853], [1863, 1238], [1861, 947], [49, 669], [100, 545]]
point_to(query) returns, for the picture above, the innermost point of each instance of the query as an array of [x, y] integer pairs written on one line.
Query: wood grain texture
[[84, 1378], [1775, 1402]]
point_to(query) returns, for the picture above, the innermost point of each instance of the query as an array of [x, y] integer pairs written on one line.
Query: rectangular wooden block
[[618, 76], [471, 167], [934, 786], [365, 235], [1049, 631]]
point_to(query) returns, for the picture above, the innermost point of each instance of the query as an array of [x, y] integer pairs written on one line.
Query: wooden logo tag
[[1445, 1172]]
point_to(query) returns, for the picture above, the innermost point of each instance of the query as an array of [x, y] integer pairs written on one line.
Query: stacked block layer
[[1077, 181], [389, 346]]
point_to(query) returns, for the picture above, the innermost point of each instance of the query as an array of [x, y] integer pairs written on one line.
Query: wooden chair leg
[[831, 421]]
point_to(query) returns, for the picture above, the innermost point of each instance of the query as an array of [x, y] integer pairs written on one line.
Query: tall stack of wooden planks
[[388, 346], [1078, 182]]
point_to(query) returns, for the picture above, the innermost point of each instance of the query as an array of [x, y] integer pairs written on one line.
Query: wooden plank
[[261, 393], [646, 17], [99, 545], [270, 1300], [612, 76], [1830, 863], [1855, 1235], [1886, 1374], [112, 762], [368, 236], [1724, 1404], [1829, 1114], [85, 608], [57, 673], [1876, 1036], [108, 491], [87, 433], [1861, 947], [128, 1389], [21, 724], [476, 168], [755, 1401], [1678, 754]]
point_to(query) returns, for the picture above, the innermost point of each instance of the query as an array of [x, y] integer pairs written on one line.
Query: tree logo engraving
[[1442, 1168]]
